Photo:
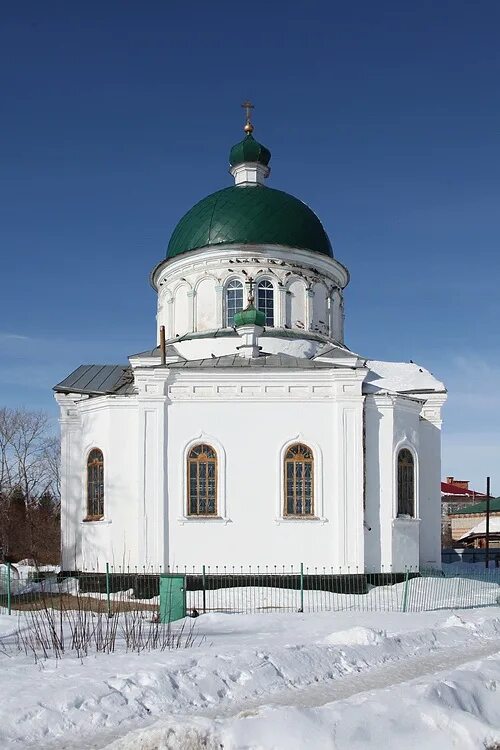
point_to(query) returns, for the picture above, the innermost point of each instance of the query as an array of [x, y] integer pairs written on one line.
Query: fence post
[[405, 592], [9, 603], [301, 587], [108, 590], [204, 590]]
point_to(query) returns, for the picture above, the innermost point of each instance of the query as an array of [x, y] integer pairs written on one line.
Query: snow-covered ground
[[345, 680]]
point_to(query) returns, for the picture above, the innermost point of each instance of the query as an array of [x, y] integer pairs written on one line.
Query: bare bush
[[62, 624]]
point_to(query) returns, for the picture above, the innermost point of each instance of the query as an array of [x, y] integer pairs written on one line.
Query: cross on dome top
[[249, 159], [248, 106]]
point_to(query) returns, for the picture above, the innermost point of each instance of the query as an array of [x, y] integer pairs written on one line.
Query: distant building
[[465, 519], [460, 516], [476, 537], [455, 497]]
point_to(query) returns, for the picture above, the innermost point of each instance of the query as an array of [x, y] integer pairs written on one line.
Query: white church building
[[251, 434]]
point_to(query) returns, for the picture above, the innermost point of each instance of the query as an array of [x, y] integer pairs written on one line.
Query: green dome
[[249, 316], [249, 150], [250, 215]]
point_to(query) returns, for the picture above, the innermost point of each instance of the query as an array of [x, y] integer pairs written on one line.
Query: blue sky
[[383, 116]]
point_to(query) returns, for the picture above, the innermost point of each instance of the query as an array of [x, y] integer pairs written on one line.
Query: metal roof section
[[395, 377], [98, 380], [340, 356], [477, 508], [400, 377], [103, 380], [249, 216], [170, 351], [480, 529], [279, 333], [265, 361]]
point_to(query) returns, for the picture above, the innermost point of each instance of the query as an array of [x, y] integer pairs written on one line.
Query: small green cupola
[[249, 159], [250, 316], [249, 150], [249, 324]]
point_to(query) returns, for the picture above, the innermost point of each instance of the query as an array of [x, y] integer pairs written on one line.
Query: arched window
[[234, 300], [265, 300], [95, 485], [406, 483], [299, 489], [202, 481]]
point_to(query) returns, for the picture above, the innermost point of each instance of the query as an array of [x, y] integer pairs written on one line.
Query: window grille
[[406, 483], [95, 485], [234, 300], [202, 481], [265, 300], [299, 481]]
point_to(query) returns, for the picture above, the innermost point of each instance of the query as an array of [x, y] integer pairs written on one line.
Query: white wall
[[392, 423], [206, 297], [249, 418], [296, 304], [111, 426], [71, 481], [249, 422], [181, 311], [430, 481], [320, 312], [379, 513]]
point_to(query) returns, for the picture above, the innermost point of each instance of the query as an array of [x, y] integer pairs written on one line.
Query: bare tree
[[29, 472]]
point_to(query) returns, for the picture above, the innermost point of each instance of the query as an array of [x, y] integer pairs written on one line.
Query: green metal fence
[[251, 589]]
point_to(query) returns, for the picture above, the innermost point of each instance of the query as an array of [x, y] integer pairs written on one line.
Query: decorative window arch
[[265, 300], [202, 481], [406, 483], [233, 301], [95, 485], [299, 481]]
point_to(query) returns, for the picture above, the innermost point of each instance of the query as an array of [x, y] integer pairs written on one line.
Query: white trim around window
[[221, 516], [318, 499], [84, 499], [400, 446]]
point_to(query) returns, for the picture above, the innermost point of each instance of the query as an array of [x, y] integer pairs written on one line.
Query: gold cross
[[248, 106]]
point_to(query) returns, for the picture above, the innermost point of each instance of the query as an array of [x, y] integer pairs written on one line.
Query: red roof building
[[459, 488]]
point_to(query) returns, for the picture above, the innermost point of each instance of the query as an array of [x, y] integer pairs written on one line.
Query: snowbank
[[416, 595], [244, 661], [460, 711]]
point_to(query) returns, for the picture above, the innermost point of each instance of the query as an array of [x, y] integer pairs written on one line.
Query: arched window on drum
[[265, 300], [233, 302]]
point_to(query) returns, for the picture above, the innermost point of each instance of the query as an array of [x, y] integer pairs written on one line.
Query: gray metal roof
[[97, 380], [277, 361], [170, 351], [285, 333]]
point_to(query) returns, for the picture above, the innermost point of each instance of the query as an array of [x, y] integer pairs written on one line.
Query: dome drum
[[305, 290]]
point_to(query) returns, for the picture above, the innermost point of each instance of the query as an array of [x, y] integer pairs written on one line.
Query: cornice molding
[[233, 257]]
